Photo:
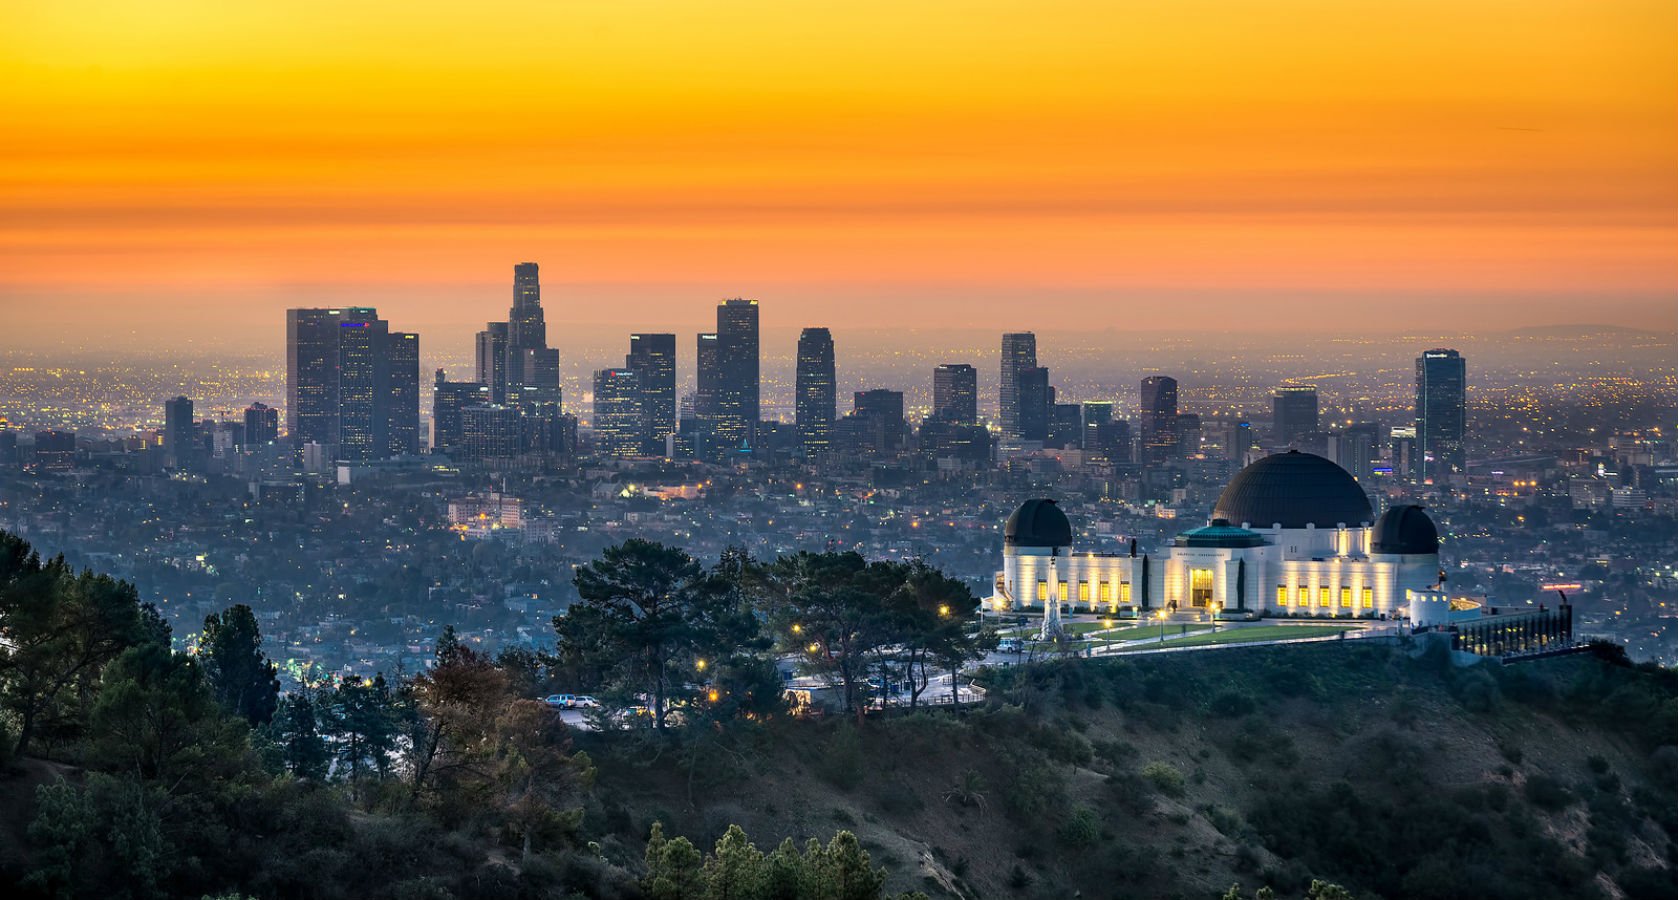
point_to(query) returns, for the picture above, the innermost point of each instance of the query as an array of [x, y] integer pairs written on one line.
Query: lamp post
[[1212, 608], [1161, 617]]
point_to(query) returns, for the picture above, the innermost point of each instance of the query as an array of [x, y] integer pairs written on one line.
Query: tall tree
[[244, 681], [296, 728], [58, 631], [831, 609], [364, 719], [649, 614]]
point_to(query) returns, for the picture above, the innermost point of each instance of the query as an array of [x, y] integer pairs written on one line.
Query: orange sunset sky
[[174, 166]]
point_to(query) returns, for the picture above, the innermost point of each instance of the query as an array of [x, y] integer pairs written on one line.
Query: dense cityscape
[[359, 507]]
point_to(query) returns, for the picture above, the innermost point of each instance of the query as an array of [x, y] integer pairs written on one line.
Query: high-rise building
[[1066, 426], [1294, 412], [262, 425], [1441, 412], [1032, 401], [1188, 435], [955, 394], [617, 413], [448, 400], [1159, 419], [1019, 355], [180, 433], [492, 360], [352, 385], [402, 394], [55, 451], [878, 420], [736, 398], [489, 431], [707, 371], [653, 357], [532, 367], [1355, 448], [816, 386]]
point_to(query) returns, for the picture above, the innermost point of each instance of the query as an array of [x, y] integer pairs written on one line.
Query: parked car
[[561, 701], [584, 701]]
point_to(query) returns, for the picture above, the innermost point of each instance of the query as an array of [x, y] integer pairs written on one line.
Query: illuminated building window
[[1323, 597], [1124, 592], [1345, 598], [1368, 598], [1281, 595], [1064, 589], [1106, 592], [1304, 595], [1083, 592], [1042, 592]]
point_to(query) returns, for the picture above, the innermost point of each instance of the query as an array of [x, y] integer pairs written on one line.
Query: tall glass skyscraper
[[955, 394], [1019, 354], [1441, 412], [815, 388], [617, 413], [653, 358], [351, 383], [736, 398], [1159, 419], [1293, 412], [514, 358]]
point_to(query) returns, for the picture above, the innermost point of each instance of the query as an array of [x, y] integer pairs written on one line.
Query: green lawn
[[1255, 633], [1141, 632]]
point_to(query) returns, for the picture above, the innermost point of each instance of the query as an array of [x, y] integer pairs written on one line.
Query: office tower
[[489, 431], [352, 385], [735, 384], [653, 358], [262, 425], [180, 433], [402, 394], [532, 367], [955, 394], [1355, 448], [878, 420], [311, 411], [448, 400], [1108, 440], [1094, 415], [1402, 451], [1159, 419], [816, 385], [492, 360], [617, 413], [706, 373], [1240, 441], [9, 455], [1066, 426], [1188, 435], [1019, 354], [1294, 412], [1032, 399], [1441, 412]]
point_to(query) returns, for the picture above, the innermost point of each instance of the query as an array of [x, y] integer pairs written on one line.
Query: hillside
[[1181, 775]]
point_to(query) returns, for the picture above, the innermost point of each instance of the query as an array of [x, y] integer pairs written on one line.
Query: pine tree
[[244, 681]]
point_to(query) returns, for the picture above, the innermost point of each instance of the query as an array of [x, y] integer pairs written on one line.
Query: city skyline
[[204, 169]]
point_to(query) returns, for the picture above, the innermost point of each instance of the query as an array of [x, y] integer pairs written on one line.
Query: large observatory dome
[[1294, 490], [1038, 523]]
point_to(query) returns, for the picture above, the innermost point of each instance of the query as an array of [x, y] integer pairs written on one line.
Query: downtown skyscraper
[[816, 385], [513, 357], [653, 359], [352, 384], [1293, 413], [1159, 419], [734, 382], [955, 394], [1019, 355], [1441, 413]]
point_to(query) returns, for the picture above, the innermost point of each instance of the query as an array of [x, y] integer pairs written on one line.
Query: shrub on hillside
[[1165, 777]]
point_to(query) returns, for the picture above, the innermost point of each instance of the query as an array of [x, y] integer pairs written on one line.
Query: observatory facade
[[1291, 534]]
